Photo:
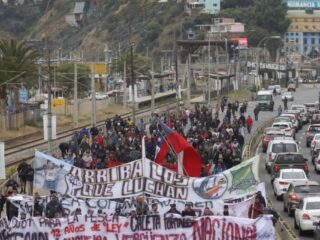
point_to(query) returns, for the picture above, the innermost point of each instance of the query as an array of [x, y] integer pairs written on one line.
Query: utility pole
[[188, 81], [177, 82], [75, 97], [152, 89], [133, 86], [125, 83], [209, 79], [93, 97], [49, 103]]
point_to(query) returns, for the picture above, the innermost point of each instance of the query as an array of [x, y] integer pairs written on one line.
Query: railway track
[[38, 141]]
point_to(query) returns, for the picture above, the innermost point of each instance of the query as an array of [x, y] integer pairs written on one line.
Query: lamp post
[[258, 56]]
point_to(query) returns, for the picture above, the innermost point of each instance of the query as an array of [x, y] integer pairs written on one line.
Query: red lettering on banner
[[95, 227], [229, 230], [56, 232], [74, 229], [112, 227]]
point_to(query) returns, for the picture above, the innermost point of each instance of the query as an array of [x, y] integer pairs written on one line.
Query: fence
[[18, 120]]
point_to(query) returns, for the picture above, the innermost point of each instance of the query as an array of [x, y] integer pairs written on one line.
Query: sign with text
[[101, 227], [143, 177]]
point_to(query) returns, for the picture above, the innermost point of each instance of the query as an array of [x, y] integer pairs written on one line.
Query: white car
[[303, 112], [281, 145], [288, 95], [307, 212], [315, 141], [316, 162], [286, 127], [285, 178], [277, 87], [293, 119], [99, 96]]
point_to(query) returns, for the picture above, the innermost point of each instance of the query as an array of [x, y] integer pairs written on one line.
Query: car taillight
[[293, 197], [305, 168], [276, 168], [283, 183], [305, 216], [270, 156], [267, 139]]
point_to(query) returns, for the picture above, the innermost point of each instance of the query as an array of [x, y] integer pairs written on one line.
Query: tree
[[236, 3], [18, 65]]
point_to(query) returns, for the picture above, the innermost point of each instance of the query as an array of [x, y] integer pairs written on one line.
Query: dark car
[[288, 160], [312, 130], [316, 232], [315, 118], [296, 192]]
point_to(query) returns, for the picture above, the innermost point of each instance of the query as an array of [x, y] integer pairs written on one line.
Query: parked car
[[313, 129], [291, 87], [288, 160], [316, 231], [268, 135], [285, 178], [296, 192], [288, 95], [307, 212], [279, 146]]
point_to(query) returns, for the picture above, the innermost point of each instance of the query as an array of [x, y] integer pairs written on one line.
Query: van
[[264, 100]]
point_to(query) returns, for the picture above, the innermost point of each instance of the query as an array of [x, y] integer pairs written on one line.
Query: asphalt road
[[305, 93]]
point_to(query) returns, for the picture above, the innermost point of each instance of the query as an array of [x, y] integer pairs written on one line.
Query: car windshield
[[281, 126], [307, 189], [317, 137], [313, 206], [314, 129], [293, 175], [284, 147], [287, 94], [316, 117], [264, 97]]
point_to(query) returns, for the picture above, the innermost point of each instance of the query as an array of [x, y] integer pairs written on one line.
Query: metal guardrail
[[282, 228]]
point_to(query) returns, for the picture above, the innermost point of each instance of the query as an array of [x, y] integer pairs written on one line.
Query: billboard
[[242, 42], [302, 4]]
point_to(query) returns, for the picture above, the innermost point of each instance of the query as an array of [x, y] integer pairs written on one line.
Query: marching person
[[256, 111], [249, 123]]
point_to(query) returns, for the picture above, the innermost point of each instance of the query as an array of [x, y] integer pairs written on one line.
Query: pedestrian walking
[[279, 110], [256, 111], [249, 123], [285, 103]]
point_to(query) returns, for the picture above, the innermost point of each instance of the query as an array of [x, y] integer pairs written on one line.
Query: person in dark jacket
[[37, 206], [188, 211], [54, 207], [256, 111], [173, 209]]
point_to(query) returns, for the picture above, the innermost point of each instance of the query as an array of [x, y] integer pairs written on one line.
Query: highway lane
[[306, 93]]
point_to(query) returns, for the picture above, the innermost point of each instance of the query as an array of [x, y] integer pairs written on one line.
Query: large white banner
[[2, 162], [103, 227], [143, 177]]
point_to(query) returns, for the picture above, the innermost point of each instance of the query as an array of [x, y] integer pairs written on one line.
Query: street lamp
[[258, 57]]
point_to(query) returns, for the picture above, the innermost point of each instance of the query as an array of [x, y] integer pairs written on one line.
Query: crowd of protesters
[[217, 134]]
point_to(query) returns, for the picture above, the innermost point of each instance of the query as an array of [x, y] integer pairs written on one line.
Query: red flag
[[162, 150], [189, 160]]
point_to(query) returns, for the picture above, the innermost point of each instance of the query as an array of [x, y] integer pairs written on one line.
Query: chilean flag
[[189, 160]]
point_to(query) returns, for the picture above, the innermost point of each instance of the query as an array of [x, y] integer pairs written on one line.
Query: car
[[291, 87], [313, 129], [275, 87], [304, 115], [316, 231], [315, 118], [264, 100], [99, 96], [268, 135], [285, 177], [288, 160], [291, 117], [287, 95], [286, 127], [297, 117], [296, 192], [312, 107], [279, 146], [307, 212], [315, 141]]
